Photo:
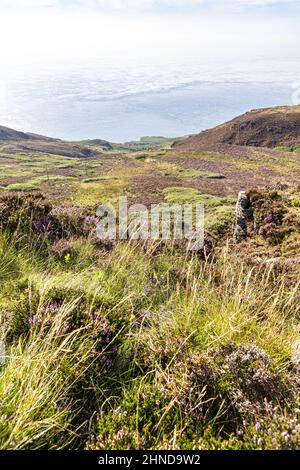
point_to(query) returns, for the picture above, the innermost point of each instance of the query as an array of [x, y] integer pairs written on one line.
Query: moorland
[[141, 344]]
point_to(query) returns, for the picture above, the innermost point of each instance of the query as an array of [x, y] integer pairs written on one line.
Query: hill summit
[[270, 127], [10, 134]]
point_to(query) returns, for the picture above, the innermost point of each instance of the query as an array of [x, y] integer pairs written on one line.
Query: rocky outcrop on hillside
[[244, 215], [267, 228]]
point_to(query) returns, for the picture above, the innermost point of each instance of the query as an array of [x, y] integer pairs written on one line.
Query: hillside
[[126, 344], [14, 142], [87, 174], [271, 127], [12, 135], [98, 143]]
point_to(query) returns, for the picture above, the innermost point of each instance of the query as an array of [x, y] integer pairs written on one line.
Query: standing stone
[[244, 215]]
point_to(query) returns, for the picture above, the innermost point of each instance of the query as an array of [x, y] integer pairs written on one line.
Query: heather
[[141, 344]]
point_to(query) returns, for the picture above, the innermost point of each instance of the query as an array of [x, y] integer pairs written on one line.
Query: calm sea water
[[124, 103]]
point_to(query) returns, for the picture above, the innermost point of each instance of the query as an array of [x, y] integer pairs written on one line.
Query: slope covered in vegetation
[[271, 127], [141, 344]]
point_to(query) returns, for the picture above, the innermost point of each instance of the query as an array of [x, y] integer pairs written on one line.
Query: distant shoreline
[[172, 112]]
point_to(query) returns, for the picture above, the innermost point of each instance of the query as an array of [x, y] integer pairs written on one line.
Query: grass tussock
[[141, 345]]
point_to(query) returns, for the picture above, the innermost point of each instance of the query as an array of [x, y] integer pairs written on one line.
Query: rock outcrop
[[244, 215]]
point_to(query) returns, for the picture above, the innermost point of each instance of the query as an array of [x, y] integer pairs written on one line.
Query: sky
[[65, 34], [142, 5], [66, 48]]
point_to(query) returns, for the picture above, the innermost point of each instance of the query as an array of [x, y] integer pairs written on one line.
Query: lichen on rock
[[244, 215]]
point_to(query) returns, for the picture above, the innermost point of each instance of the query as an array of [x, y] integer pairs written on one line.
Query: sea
[[123, 103]]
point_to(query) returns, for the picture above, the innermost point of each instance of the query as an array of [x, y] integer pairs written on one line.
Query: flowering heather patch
[[239, 378], [275, 430], [36, 319], [200, 390], [32, 213], [150, 347], [45, 316], [107, 345], [90, 224], [117, 425], [48, 227], [18, 211], [272, 219], [43, 224], [70, 218]]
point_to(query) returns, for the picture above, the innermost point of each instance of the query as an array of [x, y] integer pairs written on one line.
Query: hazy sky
[[71, 68], [158, 5], [62, 32]]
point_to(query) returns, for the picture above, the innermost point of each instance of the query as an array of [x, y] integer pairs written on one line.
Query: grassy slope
[[141, 345]]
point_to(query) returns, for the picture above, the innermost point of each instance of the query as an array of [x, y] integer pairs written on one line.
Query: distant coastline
[[174, 111]]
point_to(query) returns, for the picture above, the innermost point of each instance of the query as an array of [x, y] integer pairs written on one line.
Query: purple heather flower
[[42, 225]]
